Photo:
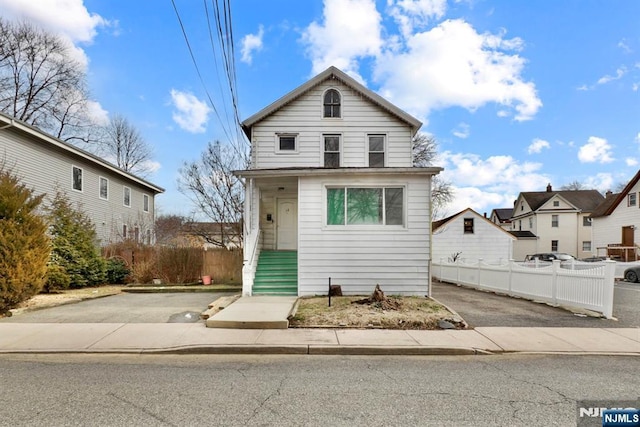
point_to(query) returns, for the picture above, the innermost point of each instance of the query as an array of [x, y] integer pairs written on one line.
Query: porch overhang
[[293, 172]]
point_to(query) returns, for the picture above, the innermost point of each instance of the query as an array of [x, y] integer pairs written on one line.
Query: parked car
[[549, 256], [632, 274]]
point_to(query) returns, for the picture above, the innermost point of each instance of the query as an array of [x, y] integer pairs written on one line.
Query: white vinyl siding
[[303, 117], [488, 241], [358, 258]]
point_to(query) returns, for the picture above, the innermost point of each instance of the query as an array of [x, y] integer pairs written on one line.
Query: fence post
[[554, 281], [609, 281], [479, 272], [511, 262]]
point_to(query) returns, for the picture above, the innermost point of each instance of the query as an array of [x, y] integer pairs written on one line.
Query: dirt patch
[[411, 313], [65, 297]]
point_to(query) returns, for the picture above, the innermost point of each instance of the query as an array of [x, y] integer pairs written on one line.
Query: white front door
[[287, 224]]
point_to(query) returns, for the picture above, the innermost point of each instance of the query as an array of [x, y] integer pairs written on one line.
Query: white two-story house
[[120, 205], [559, 220], [331, 194], [616, 223]]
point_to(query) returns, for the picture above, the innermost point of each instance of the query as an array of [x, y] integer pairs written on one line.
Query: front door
[[287, 224]]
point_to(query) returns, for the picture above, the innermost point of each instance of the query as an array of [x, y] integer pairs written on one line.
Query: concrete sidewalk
[[197, 339]]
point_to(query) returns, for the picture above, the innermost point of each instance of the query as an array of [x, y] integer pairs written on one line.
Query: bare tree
[[425, 153], [168, 228], [41, 83], [123, 144], [217, 193], [573, 186]]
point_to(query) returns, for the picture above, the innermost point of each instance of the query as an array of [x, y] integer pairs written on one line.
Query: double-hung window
[[76, 178], [376, 151], [631, 199], [554, 220], [145, 203], [468, 226], [126, 197], [104, 188], [365, 206], [331, 151]]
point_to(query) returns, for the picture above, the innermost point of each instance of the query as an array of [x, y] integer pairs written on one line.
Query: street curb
[[170, 289]]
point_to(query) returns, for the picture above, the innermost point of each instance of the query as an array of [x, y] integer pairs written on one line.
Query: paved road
[[480, 308], [242, 390], [184, 307]]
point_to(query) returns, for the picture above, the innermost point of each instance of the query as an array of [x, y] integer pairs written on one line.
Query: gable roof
[[440, 223], [503, 214], [610, 203], [331, 73], [584, 200], [6, 122]]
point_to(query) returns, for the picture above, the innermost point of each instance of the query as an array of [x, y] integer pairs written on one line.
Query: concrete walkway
[[255, 312], [196, 338]]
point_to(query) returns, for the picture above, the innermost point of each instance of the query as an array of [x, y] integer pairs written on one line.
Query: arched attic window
[[331, 103]]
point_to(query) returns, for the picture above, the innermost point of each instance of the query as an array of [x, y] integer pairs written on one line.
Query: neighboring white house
[[616, 223], [331, 193], [559, 220], [470, 236], [119, 204]]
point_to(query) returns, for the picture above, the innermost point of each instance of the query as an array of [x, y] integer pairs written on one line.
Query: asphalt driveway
[[179, 307], [481, 308]]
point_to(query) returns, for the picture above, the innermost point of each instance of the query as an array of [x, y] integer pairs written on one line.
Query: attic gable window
[[331, 103], [631, 199], [468, 225]]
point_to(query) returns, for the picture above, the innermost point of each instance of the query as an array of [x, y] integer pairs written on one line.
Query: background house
[[470, 236], [331, 193], [121, 205], [616, 223], [502, 217], [560, 220]]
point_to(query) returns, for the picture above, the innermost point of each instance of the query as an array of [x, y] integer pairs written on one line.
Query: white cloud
[[620, 72], [410, 14], [537, 145], [462, 131], [465, 69], [97, 114], [252, 43], [601, 182], [68, 17], [496, 173], [630, 161], [622, 44], [351, 30], [595, 150], [192, 114], [150, 166]]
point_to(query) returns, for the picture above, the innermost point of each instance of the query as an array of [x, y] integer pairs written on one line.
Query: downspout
[[429, 261]]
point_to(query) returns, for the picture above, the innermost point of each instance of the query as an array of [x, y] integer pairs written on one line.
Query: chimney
[[485, 214], [549, 189], [608, 194]]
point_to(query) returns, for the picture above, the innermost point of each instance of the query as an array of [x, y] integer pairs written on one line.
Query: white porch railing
[[250, 262], [590, 288]]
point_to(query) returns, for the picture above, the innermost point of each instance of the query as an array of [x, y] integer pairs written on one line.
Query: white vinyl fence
[[590, 287]]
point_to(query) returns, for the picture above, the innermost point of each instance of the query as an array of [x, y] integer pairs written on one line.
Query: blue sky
[[518, 93]]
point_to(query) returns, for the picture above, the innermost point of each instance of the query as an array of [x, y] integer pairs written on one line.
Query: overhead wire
[[227, 132]]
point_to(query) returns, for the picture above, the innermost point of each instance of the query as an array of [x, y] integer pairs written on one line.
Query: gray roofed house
[[560, 220], [120, 205]]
